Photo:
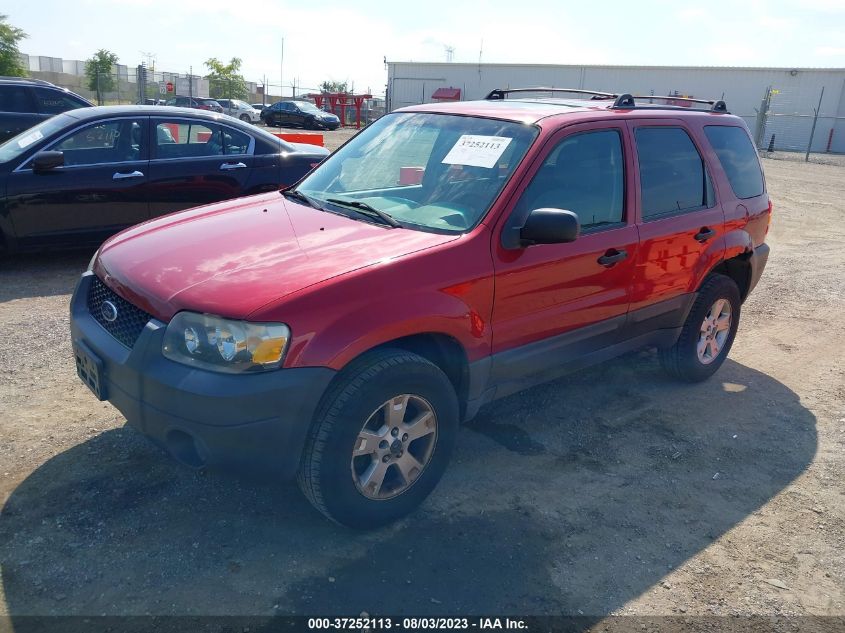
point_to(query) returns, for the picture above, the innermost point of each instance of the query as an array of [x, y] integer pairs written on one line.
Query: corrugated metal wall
[[743, 89]]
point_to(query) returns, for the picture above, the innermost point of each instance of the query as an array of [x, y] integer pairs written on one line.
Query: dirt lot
[[612, 491]]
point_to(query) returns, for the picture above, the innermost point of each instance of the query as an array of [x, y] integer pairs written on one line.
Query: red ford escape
[[446, 256]]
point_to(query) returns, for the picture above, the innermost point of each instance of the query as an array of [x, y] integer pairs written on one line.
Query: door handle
[[704, 234], [228, 166], [612, 257], [123, 176]]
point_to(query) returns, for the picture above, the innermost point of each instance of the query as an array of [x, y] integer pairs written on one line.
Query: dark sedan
[[81, 176], [298, 113]]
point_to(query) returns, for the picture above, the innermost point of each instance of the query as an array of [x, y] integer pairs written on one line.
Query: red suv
[[448, 255]]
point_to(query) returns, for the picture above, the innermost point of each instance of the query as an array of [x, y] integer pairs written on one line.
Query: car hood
[[232, 258]]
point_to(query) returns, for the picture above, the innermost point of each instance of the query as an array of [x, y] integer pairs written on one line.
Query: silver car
[[240, 110]]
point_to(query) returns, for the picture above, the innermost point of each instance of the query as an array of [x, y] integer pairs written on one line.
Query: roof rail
[[716, 105], [500, 93]]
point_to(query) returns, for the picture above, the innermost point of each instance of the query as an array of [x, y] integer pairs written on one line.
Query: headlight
[[225, 345]]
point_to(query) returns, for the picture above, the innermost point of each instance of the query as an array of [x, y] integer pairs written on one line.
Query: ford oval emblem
[[109, 311]]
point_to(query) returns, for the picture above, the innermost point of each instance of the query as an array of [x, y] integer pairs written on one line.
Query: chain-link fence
[[787, 128]]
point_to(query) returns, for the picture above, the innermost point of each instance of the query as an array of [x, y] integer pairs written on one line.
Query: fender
[[356, 331]]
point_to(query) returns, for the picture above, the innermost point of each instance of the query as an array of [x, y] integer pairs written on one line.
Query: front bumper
[[254, 422]]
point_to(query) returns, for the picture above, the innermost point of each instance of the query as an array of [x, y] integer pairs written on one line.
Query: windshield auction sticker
[[477, 151], [30, 138]]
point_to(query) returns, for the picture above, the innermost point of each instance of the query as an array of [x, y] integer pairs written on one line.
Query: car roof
[[27, 80], [147, 110], [534, 110]]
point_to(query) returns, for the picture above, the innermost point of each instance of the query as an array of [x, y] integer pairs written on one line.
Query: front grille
[[129, 321]]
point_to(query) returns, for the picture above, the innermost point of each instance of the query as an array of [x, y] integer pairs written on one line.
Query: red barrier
[[309, 138]]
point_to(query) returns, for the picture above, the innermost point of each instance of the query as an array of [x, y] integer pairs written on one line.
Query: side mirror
[[543, 226], [45, 161]]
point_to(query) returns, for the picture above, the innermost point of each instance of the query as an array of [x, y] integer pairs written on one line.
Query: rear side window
[[182, 139], [738, 159], [673, 178], [55, 101], [15, 99]]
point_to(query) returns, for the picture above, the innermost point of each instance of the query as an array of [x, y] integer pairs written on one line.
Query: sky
[[348, 41]]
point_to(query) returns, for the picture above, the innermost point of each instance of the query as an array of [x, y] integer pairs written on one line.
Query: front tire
[[380, 440], [708, 332], [245, 118]]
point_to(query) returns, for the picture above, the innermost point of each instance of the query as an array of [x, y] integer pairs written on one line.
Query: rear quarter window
[[738, 159]]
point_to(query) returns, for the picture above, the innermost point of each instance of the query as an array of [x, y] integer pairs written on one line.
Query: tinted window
[[584, 174], [672, 174], [183, 139], [738, 159], [108, 142], [55, 101], [15, 99]]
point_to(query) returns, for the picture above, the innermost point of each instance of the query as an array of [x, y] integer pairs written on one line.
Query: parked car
[[446, 256], [298, 114], [258, 106], [81, 176], [198, 103], [149, 101], [240, 110], [25, 102]]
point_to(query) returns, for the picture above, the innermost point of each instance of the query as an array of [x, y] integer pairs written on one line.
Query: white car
[[240, 110]]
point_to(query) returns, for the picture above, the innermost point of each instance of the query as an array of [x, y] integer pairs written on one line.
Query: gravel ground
[[612, 491]]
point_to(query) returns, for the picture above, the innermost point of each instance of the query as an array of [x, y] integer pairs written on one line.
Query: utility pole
[[191, 82], [813, 129], [282, 71]]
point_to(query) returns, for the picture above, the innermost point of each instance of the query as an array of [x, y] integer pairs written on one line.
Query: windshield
[[428, 171], [17, 145]]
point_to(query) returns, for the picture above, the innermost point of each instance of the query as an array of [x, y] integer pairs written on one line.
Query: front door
[[196, 162], [555, 301], [100, 188]]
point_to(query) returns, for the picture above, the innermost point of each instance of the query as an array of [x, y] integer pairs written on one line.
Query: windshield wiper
[[298, 195], [363, 207]]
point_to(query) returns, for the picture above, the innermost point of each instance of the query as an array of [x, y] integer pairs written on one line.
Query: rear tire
[[708, 332], [355, 468]]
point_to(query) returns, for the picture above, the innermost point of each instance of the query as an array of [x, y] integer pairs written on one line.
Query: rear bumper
[[255, 422], [758, 260]]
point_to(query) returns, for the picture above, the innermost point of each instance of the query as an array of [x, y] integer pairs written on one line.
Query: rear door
[[100, 189], [196, 162], [681, 223], [558, 301]]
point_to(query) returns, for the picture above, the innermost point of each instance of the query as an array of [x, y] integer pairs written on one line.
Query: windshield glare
[[18, 145], [428, 171]]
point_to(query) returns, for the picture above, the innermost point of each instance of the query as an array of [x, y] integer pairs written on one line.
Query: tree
[[225, 80], [10, 56], [333, 86], [98, 69]]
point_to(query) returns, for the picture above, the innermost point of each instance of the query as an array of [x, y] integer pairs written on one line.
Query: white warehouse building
[[793, 92]]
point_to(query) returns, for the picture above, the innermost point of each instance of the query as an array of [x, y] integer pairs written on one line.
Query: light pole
[[282, 71]]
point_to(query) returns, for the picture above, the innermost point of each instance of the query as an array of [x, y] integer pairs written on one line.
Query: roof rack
[[627, 101], [500, 93]]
